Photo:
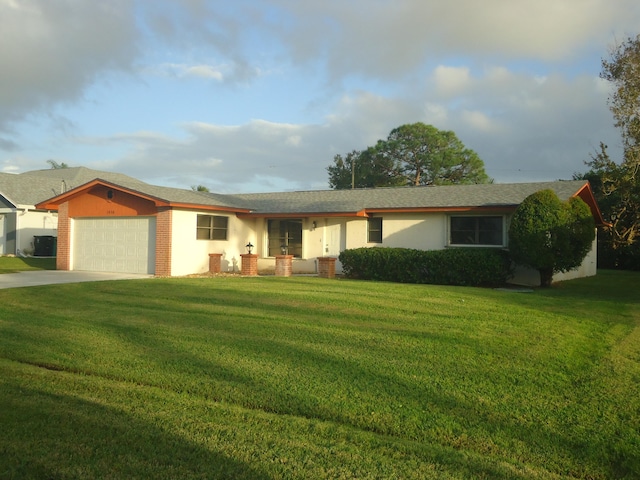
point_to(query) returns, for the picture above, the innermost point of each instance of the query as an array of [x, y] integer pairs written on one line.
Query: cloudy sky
[[260, 95]]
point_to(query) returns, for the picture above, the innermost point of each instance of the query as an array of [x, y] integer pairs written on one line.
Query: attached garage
[[118, 244]]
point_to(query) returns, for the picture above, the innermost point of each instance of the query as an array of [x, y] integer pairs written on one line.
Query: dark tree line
[[616, 184]]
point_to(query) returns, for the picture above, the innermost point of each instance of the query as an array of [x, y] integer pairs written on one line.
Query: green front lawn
[[19, 264], [302, 377]]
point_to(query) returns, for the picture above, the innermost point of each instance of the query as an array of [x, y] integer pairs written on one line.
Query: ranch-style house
[[111, 222]]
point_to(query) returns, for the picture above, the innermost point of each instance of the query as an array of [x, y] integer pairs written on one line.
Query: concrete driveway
[[50, 277]]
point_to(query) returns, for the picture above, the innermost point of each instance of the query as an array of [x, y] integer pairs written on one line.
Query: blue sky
[[251, 96]]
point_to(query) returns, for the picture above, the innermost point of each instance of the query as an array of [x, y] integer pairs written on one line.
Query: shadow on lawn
[[20, 264], [82, 439], [442, 410], [255, 320]]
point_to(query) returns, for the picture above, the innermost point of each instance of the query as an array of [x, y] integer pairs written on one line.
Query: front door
[[333, 240]]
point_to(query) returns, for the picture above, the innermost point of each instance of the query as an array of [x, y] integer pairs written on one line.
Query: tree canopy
[[550, 235], [55, 165], [412, 154], [616, 184]]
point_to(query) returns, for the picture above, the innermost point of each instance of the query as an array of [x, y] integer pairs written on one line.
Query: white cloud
[[478, 120], [515, 80], [451, 81], [51, 51]]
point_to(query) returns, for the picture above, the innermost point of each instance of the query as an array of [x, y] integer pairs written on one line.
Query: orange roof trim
[[586, 194], [55, 202]]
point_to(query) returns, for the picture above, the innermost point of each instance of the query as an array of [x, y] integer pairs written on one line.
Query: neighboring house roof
[[30, 188], [35, 187], [357, 202]]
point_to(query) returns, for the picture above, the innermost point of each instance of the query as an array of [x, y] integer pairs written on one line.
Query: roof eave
[[457, 209], [252, 214], [586, 194], [54, 202]]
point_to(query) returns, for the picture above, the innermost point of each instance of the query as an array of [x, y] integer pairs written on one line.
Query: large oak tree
[[412, 154]]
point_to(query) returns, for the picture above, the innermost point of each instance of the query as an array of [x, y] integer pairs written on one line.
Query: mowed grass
[[302, 377], [20, 264]]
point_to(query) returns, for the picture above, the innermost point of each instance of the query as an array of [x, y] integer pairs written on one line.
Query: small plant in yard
[[303, 377]]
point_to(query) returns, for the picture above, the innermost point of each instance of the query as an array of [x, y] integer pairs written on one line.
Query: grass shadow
[[22, 264], [79, 438]]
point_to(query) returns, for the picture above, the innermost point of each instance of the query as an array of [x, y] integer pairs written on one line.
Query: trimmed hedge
[[452, 266]]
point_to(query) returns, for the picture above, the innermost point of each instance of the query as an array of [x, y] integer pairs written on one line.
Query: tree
[[412, 154], [428, 156], [55, 165], [550, 235], [199, 188], [616, 185], [623, 71], [365, 169]]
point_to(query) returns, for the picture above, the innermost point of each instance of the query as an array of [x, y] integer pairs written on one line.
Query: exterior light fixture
[[313, 225], [249, 248], [283, 249]]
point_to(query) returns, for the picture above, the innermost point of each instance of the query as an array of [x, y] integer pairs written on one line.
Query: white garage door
[[123, 244]]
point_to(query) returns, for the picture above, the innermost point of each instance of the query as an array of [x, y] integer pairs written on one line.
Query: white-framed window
[[483, 230], [374, 230], [212, 227]]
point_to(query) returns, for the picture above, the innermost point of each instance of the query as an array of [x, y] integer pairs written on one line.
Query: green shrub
[[453, 266], [550, 235]]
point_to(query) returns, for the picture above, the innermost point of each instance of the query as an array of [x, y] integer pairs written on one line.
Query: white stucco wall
[[332, 235], [419, 231], [190, 255], [30, 224]]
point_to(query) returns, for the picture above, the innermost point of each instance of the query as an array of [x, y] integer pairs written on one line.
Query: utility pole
[[353, 172]]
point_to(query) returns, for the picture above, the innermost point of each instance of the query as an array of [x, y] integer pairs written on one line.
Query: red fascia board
[[586, 194], [482, 209], [361, 213], [369, 211], [55, 202], [208, 208]]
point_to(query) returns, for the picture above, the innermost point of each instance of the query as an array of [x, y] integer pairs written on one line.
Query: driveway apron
[[51, 277]]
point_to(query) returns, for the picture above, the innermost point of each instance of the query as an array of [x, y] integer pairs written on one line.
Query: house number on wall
[[111, 212]]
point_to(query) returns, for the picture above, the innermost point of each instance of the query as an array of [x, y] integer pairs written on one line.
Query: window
[[476, 231], [211, 227], [287, 233], [375, 230]]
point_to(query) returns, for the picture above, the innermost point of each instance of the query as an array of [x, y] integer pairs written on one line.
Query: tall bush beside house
[[550, 235]]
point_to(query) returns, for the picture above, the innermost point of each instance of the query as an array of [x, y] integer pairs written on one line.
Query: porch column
[[214, 262], [327, 267], [249, 264], [284, 265]]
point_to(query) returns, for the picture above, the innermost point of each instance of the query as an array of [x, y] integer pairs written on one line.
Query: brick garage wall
[[63, 258], [163, 242]]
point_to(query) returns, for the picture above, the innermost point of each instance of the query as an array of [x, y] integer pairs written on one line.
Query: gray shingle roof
[[31, 188], [453, 196]]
